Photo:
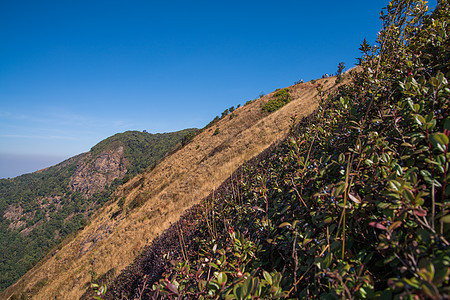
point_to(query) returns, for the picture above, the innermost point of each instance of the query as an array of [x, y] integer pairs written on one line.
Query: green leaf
[[341, 158], [306, 241], [222, 278], [406, 145], [201, 284], [440, 141], [429, 178], [240, 291], [276, 276], [434, 82], [284, 225], [327, 260], [412, 282], [441, 79], [339, 189], [267, 277], [427, 269], [447, 123], [431, 161], [328, 219], [445, 219], [419, 119], [430, 290], [408, 195], [368, 162], [383, 205], [394, 185], [214, 265]]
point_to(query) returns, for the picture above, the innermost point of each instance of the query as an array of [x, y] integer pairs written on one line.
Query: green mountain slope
[[354, 204], [38, 210]]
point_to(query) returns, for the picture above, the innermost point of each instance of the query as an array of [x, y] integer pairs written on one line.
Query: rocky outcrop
[[94, 174], [18, 219], [13, 213]]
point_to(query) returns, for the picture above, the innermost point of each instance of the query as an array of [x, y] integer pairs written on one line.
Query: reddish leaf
[[172, 288], [354, 197], [377, 225], [420, 212], [395, 225], [258, 208]]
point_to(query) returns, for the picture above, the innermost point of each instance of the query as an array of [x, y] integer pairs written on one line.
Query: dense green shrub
[[121, 202], [138, 201], [225, 112], [355, 203], [339, 71], [279, 99], [189, 137], [214, 121]]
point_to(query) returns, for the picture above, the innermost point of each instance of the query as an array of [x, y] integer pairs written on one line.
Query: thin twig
[[309, 152], [298, 281], [298, 194]]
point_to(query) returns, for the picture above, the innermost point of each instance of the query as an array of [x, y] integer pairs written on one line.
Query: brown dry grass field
[[180, 180]]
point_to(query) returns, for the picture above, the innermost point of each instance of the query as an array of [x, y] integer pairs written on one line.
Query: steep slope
[[37, 210], [352, 205], [146, 205]]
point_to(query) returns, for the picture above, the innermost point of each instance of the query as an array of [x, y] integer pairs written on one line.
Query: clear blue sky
[[75, 72]]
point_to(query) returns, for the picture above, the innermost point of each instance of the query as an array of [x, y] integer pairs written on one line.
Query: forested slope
[[38, 210]]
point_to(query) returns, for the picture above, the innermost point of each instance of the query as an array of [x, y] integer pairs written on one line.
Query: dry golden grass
[[175, 184]]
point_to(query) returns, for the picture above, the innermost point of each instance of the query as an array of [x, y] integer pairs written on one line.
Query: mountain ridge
[[40, 208]]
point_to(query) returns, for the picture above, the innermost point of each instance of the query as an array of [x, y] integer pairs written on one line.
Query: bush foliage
[[354, 204], [279, 99]]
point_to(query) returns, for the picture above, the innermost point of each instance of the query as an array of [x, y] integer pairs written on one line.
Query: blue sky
[[75, 72]]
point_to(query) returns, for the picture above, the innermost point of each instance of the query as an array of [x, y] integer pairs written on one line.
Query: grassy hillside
[[38, 210], [147, 204], [353, 204]]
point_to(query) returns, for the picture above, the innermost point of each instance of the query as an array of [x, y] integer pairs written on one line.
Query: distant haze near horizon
[[13, 165], [73, 73]]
